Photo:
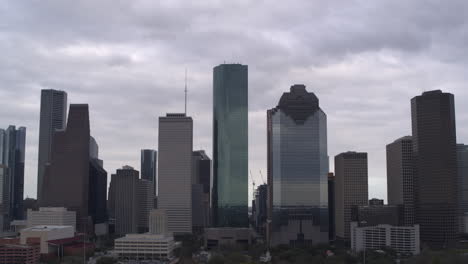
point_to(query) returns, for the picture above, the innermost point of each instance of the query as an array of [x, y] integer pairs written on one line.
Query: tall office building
[[462, 183], [97, 201], [230, 145], [351, 189], [259, 209], [435, 157], [145, 196], [298, 169], [123, 199], [148, 167], [12, 147], [400, 177], [175, 171], [201, 180], [331, 206], [66, 178], [53, 117]]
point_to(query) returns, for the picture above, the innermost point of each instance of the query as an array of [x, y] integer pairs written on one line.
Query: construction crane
[[261, 175], [253, 185]]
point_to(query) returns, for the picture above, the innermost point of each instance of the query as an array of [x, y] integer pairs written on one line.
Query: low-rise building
[[51, 216], [403, 239], [19, 254], [144, 246], [45, 234]]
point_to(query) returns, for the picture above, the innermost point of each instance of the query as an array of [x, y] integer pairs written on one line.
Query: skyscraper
[[175, 171], [230, 145], [12, 147], [298, 169], [462, 183], [351, 189], [201, 180], [148, 166], [435, 156], [145, 196], [400, 177], [53, 117], [331, 206], [66, 178]]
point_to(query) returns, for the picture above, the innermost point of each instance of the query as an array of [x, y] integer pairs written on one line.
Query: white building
[[403, 239], [175, 171], [46, 233], [51, 216], [158, 222], [144, 246]]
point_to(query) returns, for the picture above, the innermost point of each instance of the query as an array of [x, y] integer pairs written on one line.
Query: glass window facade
[[230, 145], [299, 170]]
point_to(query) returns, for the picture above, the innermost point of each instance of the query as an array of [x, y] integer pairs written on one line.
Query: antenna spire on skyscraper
[[185, 91]]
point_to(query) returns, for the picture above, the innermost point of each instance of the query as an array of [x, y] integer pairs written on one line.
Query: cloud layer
[[365, 60]]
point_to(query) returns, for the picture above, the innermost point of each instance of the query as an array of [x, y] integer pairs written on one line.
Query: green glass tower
[[230, 145]]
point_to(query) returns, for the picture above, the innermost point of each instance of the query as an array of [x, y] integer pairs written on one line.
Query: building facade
[[462, 184], [158, 222], [351, 189], [12, 148], [400, 177], [372, 215], [97, 201], [259, 209], [149, 161], [45, 234], [53, 117], [201, 186], [435, 157], [403, 239], [230, 146], [53, 216], [145, 198], [298, 164], [175, 171], [331, 206], [144, 247], [124, 200]]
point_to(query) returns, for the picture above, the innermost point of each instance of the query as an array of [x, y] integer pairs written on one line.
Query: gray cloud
[[365, 60]]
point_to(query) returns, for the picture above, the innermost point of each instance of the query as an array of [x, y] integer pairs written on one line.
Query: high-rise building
[[259, 209], [462, 162], [175, 171], [351, 189], [331, 206], [97, 202], [230, 146], [435, 157], [148, 167], [158, 222], [145, 198], [400, 176], [123, 195], [201, 181], [298, 169], [372, 215], [53, 117], [66, 178], [12, 147]]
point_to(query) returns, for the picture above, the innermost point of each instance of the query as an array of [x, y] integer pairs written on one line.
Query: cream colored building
[[158, 221], [58, 216], [46, 233], [144, 246]]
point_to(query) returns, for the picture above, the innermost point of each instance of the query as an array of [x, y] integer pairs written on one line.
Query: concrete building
[[144, 247], [351, 189], [66, 177], [148, 167], [145, 196], [124, 200], [19, 254], [158, 222], [215, 237], [175, 171], [298, 169], [400, 177], [462, 184], [435, 157], [12, 148], [51, 216], [46, 233], [53, 117], [230, 146], [403, 239]]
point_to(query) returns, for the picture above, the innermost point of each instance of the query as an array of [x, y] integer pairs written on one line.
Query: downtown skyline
[[365, 92]]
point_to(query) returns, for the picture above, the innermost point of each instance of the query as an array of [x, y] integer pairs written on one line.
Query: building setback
[[435, 157], [230, 146], [53, 117], [175, 171], [298, 169], [351, 189], [400, 177], [66, 178], [148, 167], [462, 161]]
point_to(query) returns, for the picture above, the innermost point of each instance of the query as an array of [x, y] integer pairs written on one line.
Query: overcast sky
[[364, 60]]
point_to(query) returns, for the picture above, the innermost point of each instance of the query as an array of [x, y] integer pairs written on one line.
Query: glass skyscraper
[[230, 145], [298, 169]]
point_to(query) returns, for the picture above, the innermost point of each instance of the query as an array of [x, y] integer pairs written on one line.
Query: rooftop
[[46, 228]]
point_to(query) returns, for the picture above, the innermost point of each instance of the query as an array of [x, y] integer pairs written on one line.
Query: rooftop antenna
[[185, 91]]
